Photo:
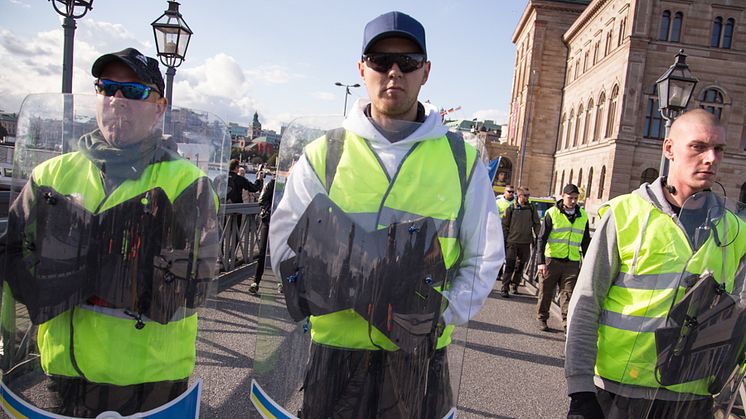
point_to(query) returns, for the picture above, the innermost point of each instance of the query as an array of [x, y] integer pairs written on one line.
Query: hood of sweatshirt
[[361, 125]]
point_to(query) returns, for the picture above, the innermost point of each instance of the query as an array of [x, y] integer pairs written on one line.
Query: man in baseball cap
[[394, 24], [146, 68]]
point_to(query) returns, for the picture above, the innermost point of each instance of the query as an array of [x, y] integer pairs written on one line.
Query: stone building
[[584, 107]]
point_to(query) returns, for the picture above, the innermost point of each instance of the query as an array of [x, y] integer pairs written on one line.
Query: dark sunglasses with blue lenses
[[130, 90], [382, 62]]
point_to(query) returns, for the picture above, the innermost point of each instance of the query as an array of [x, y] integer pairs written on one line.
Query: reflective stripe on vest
[[565, 238], [363, 189], [651, 272], [106, 346]]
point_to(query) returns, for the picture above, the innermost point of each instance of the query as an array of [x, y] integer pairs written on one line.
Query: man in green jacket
[[111, 248], [632, 276]]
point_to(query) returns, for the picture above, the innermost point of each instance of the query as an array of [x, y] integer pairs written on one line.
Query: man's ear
[[426, 73], [668, 148], [361, 69]]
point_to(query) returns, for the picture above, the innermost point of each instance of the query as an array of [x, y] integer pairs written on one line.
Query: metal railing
[[238, 235]]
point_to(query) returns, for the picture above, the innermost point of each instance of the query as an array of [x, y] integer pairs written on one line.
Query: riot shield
[[689, 327], [109, 267], [359, 331]]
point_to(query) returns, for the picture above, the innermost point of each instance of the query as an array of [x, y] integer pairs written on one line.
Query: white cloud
[[498, 115], [324, 96], [20, 3]]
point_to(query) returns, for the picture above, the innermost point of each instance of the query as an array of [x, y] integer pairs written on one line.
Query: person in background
[[520, 227], [563, 240], [237, 183], [505, 200], [265, 202]]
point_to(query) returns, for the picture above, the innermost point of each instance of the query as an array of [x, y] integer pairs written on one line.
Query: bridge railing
[[238, 235]]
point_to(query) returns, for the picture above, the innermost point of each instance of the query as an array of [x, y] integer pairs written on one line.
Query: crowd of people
[[629, 297]]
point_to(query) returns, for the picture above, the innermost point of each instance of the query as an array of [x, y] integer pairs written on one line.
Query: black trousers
[[263, 234], [80, 398], [363, 384], [516, 257], [620, 407]]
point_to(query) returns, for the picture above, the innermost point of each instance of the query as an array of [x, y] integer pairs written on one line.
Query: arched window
[[569, 180], [595, 51], [665, 25], [556, 180], [587, 126], [612, 111], [648, 175], [580, 178], [562, 130], [569, 129], [712, 101], [578, 126], [676, 27], [599, 115], [717, 27], [622, 30], [601, 181], [590, 183], [728, 33], [609, 38], [562, 183]]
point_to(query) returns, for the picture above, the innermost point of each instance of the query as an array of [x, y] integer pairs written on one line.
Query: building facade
[[606, 133]]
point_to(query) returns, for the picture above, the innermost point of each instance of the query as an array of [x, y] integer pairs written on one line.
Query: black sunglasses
[[130, 90], [510, 191], [382, 62]]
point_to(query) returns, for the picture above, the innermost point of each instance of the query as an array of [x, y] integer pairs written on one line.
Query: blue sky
[[279, 58]]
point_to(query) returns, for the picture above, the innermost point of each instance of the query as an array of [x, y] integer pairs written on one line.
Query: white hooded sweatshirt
[[480, 237]]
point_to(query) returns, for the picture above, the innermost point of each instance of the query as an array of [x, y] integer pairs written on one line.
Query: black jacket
[[521, 224], [237, 184]]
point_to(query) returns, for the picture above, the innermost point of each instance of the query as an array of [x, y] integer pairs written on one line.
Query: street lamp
[[675, 88], [172, 36], [347, 92], [71, 10]]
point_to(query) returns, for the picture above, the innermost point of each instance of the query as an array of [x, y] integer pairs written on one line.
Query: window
[[665, 25], [562, 183], [587, 125], [712, 101], [648, 175], [601, 181], [612, 111], [562, 131], [577, 69], [595, 51], [590, 183], [599, 115], [728, 34], [622, 30], [569, 129], [676, 27], [578, 126], [742, 195], [609, 37], [569, 180], [654, 126], [580, 179], [717, 27], [586, 62]]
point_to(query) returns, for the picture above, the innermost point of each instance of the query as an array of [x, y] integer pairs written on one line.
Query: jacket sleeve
[[596, 276], [483, 250], [506, 221], [541, 243]]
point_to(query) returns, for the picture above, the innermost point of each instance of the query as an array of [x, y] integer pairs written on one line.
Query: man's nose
[[395, 71]]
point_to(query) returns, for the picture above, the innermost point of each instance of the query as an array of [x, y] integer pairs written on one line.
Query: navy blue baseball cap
[[394, 24]]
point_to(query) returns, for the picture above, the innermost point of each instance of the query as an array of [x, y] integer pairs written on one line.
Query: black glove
[[584, 405]]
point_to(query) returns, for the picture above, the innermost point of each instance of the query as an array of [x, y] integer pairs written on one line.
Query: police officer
[[505, 200], [397, 163], [629, 278], [564, 234]]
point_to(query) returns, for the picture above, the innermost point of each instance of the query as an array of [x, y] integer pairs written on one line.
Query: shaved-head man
[[631, 278]]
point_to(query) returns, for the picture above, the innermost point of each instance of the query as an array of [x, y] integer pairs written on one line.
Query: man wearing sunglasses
[[393, 162], [133, 232]]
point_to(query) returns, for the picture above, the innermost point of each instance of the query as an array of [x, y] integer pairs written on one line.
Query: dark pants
[[619, 407], [263, 233], [375, 384], [80, 398], [560, 272], [516, 257]]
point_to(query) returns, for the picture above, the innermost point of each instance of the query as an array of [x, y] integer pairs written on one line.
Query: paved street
[[511, 369]]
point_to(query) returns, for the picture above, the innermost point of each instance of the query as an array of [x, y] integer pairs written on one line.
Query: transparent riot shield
[[109, 269], [689, 324], [359, 331]]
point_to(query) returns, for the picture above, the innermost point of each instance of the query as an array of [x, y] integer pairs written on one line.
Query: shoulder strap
[[459, 154], [335, 139]]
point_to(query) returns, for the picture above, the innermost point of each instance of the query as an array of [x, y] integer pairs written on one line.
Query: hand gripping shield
[[110, 258], [691, 332], [383, 286]]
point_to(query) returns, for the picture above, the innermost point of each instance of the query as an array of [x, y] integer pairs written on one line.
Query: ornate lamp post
[[172, 36], [675, 88], [347, 93], [71, 10]]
